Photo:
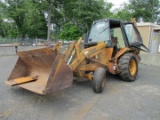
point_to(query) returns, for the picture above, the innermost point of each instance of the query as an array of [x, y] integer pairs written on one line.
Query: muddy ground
[[139, 100]]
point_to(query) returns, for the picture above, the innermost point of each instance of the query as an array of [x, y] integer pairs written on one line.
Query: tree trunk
[[49, 20]]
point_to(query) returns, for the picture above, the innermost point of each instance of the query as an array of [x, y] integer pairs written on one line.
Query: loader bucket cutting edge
[[53, 74]]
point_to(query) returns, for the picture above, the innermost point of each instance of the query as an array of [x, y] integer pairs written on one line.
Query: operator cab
[[115, 34]]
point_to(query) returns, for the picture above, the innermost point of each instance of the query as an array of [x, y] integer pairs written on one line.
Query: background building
[[151, 36]]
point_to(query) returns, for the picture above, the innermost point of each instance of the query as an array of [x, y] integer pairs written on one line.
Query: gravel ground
[[139, 100]]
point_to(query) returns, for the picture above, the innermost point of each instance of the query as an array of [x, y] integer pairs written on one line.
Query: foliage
[[69, 18], [147, 9], [28, 17], [8, 28], [70, 32], [122, 13], [106, 12], [83, 12]]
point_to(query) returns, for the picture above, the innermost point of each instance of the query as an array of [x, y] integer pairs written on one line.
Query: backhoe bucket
[[41, 71]]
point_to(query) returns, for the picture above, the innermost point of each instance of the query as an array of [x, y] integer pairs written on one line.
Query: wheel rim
[[132, 67]]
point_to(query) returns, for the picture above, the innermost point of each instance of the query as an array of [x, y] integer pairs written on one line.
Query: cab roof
[[113, 20]]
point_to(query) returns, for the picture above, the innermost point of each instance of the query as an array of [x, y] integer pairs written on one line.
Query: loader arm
[[83, 59], [88, 54], [57, 46]]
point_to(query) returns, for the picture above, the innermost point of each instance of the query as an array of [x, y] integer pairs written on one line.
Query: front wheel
[[99, 80], [128, 67]]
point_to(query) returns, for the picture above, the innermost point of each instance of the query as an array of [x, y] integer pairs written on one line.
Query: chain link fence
[[25, 42]]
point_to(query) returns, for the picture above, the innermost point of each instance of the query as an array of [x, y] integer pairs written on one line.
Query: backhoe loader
[[110, 45]]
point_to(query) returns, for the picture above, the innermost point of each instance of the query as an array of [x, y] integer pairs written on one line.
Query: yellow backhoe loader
[[111, 45]]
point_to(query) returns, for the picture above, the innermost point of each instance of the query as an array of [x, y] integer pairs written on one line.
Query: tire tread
[[124, 69], [98, 80]]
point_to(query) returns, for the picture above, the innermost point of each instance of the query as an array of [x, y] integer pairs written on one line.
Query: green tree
[[70, 32], [147, 9], [80, 14], [27, 15], [106, 10], [30, 16], [57, 17], [8, 28], [83, 12], [122, 13], [35, 22]]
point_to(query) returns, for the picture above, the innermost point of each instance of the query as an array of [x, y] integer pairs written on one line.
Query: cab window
[[132, 35]]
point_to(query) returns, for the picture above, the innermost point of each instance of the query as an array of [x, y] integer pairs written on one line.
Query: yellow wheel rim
[[132, 67]]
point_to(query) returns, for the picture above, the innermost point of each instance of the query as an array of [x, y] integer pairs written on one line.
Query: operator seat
[[114, 44], [114, 41]]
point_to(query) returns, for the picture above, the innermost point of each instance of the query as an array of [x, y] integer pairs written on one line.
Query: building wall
[[155, 42], [146, 34], [151, 37]]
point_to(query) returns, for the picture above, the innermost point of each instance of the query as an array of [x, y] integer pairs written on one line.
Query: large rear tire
[[128, 67], [99, 80]]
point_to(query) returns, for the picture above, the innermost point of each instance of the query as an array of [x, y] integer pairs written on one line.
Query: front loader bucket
[[41, 71]]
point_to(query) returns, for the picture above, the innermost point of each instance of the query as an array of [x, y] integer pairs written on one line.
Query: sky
[[117, 3]]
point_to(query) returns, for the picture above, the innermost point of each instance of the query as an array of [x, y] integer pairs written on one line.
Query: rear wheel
[[128, 67], [99, 80]]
